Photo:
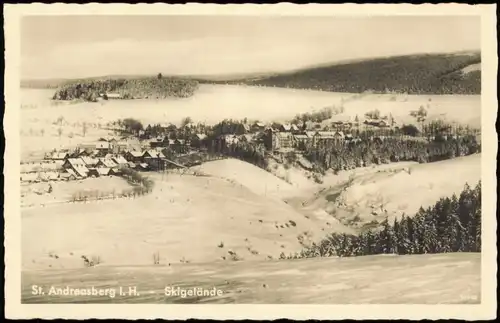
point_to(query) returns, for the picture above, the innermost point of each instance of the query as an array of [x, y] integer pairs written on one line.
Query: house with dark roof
[[258, 126], [79, 152], [154, 159], [199, 141], [180, 146], [77, 165], [383, 123], [153, 154], [160, 141], [134, 156]]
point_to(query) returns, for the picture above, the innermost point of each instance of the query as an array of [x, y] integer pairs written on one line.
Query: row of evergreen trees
[[451, 225], [249, 152], [392, 149]]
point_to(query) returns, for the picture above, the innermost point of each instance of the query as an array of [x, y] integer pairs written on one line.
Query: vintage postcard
[[250, 161]]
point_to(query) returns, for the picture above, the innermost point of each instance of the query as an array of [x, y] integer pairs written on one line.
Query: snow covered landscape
[[326, 182]]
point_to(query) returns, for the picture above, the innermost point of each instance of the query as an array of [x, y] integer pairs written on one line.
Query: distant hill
[[414, 74], [455, 73], [127, 87]]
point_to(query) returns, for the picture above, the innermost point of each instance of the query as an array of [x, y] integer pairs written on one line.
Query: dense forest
[[139, 88], [416, 74], [391, 149], [451, 225], [251, 153]]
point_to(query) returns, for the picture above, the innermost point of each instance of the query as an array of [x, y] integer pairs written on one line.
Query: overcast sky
[[84, 46]]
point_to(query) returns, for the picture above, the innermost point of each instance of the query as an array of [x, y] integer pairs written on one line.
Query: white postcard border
[[14, 309]]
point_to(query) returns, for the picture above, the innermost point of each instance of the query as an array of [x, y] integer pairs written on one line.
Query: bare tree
[[84, 128], [186, 121], [156, 258]]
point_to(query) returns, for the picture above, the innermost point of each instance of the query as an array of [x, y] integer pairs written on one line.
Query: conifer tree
[[396, 236], [386, 237], [430, 232], [476, 219]]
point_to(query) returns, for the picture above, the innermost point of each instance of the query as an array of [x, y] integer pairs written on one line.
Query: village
[[154, 148], [160, 147]]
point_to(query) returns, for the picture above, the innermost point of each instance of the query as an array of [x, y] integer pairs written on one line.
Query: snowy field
[[36, 194], [374, 193], [453, 278], [201, 219], [189, 218]]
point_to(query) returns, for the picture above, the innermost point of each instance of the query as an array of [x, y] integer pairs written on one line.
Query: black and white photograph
[[204, 158]]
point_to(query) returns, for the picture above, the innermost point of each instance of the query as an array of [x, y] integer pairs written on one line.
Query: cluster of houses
[[314, 135], [103, 158], [291, 136], [73, 168], [140, 160], [94, 167], [107, 156], [104, 146], [41, 171], [180, 146], [100, 158], [274, 138], [284, 137]]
